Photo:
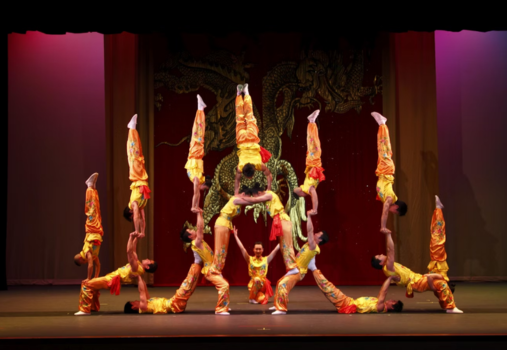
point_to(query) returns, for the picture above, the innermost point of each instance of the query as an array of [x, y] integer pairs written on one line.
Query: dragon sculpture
[[297, 83]]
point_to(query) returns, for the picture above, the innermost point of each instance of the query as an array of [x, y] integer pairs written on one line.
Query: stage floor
[[47, 312]]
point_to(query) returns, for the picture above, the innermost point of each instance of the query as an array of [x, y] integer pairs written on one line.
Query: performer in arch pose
[[90, 290], [414, 282], [251, 155], [93, 228], [385, 174], [259, 286], [140, 192], [194, 165], [314, 172]]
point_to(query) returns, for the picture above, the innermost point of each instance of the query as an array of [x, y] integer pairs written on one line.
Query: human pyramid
[[252, 157]]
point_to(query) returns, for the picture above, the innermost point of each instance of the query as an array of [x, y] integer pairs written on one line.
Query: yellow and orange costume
[[281, 228], [213, 273], [287, 282], [93, 224], [259, 286], [385, 166], [137, 172], [314, 170], [194, 163], [90, 290], [178, 302], [247, 139], [343, 303]]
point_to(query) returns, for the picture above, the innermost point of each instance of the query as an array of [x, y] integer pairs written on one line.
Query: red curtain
[[348, 210]]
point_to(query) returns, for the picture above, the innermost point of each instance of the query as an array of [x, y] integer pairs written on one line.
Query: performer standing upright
[[259, 286], [414, 282], [93, 228], [194, 165], [251, 155], [305, 258], [209, 270], [137, 174], [385, 174], [90, 290], [314, 170]]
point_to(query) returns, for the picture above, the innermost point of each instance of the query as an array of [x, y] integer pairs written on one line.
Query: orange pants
[[93, 222], [222, 287], [246, 124], [179, 300], [283, 288], [333, 294], [89, 295], [196, 150], [438, 255], [222, 235], [442, 292], [257, 289], [385, 164], [314, 151], [286, 246], [137, 171]]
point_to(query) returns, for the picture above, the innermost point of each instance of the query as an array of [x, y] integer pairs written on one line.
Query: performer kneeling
[[90, 290], [259, 286], [93, 228], [251, 155], [415, 282], [194, 165], [314, 170], [137, 174]]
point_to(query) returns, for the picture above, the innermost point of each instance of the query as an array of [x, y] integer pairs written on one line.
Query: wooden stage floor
[[43, 315]]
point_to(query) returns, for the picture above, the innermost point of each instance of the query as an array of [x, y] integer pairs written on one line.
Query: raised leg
[[385, 164], [179, 300], [333, 294], [438, 255]]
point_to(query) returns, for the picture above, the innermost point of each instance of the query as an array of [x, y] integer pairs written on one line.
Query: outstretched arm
[[273, 253], [237, 179], [385, 214], [137, 217], [143, 293], [390, 252], [252, 200], [143, 224], [315, 200], [197, 194], [240, 245], [382, 294], [131, 251], [199, 230], [89, 258], [268, 175], [309, 230]]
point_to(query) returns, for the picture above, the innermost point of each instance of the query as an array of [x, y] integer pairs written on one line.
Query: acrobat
[[90, 290], [314, 172], [414, 282], [259, 286], [194, 165], [140, 192], [251, 155], [93, 228], [305, 258], [385, 174]]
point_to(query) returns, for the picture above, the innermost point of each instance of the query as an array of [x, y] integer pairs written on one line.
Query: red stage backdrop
[[331, 70]]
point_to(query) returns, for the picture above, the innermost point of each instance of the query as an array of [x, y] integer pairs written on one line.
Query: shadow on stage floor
[[42, 316]]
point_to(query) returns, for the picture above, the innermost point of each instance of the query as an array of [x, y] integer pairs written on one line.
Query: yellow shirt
[[309, 182], [125, 273], [385, 188], [228, 212], [156, 306], [407, 276], [89, 246], [206, 255], [365, 305], [249, 153], [275, 206], [136, 196], [304, 257], [258, 267], [195, 168]]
